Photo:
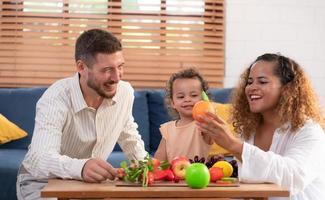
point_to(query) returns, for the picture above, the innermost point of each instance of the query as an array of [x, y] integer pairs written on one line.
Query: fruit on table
[[235, 166], [226, 167], [141, 170], [155, 163], [169, 175], [213, 159], [216, 173], [179, 165], [227, 180], [166, 174], [159, 174], [197, 176], [150, 178], [196, 159], [120, 173], [177, 158], [230, 179], [201, 107]]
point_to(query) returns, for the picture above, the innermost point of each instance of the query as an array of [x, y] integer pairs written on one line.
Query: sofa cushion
[[140, 114], [158, 114], [10, 160], [223, 111], [20, 109], [220, 95], [116, 157], [9, 131]]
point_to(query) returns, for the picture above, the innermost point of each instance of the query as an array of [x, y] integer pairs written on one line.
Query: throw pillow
[[223, 111], [9, 131]]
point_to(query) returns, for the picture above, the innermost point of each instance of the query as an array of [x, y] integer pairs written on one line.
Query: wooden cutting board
[[172, 184]]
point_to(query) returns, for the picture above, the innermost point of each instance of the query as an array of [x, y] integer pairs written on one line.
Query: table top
[[77, 189]]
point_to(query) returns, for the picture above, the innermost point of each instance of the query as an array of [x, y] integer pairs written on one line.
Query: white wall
[[295, 28]]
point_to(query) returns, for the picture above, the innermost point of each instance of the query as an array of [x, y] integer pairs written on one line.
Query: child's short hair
[[191, 73]]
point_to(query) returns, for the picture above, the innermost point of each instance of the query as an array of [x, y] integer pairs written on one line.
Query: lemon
[[226, 167]]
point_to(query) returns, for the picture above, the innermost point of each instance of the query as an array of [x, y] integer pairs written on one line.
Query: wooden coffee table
[[68, 189]]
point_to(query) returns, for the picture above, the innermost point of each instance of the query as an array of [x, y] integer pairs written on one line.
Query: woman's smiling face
[[263, 87]]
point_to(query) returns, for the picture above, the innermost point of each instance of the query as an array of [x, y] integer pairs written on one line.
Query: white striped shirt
[[67, 132]]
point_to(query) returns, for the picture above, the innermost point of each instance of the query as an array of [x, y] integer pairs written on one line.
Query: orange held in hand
[[202, 106]]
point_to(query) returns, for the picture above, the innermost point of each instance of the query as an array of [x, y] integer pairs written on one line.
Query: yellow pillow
[[9, 131], [223, 111]]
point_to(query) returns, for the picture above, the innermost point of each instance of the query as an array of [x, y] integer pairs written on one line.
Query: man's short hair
[[94, 41]]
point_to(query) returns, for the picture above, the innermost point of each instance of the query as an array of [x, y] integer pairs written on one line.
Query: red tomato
[[159, 174], [216, 173], [169, 175], [155, 163], [150, 178], [120, 173]]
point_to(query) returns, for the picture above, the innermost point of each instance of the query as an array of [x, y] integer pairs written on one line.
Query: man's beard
[[98, 90]]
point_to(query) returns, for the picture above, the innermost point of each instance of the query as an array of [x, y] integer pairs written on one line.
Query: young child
[[181, 137]]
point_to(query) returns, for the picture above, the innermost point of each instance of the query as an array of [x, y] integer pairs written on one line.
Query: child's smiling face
[[186, 92]]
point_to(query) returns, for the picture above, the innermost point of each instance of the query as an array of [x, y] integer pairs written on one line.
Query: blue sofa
[[18, 105]]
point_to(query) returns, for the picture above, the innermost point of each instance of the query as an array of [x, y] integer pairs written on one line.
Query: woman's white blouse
[[295, 161]]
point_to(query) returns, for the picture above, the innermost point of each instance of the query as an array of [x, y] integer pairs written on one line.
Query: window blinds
[[159, 37]]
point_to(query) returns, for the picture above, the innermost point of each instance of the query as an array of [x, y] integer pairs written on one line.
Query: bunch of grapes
[[196, 159], [235, 166], [210, 161], [213, 159]]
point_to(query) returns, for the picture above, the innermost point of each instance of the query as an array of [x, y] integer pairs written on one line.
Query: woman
[[280, 120]]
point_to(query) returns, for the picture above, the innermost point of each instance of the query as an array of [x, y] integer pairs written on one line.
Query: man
[[80, 119]]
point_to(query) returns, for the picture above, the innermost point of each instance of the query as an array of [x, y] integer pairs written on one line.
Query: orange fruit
[[226, 167], [200, 108]]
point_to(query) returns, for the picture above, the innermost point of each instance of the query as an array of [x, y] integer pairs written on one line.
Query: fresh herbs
[[140, 171]]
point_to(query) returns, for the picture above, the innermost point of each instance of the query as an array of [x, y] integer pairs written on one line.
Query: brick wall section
[[295, 28]]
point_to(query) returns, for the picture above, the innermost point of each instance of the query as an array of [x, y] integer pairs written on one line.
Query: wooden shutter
[[159, 37]]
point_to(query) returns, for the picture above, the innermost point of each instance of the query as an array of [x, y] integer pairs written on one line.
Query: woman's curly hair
[[187, 73], [298, 101]]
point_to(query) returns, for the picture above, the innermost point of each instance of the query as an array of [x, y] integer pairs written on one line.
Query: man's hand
[[96, 170]]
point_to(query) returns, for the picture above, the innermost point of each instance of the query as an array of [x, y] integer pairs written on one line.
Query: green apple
[[197, 175]]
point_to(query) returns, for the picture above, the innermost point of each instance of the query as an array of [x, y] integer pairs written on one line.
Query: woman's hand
[[216, 129], [207, 139]]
